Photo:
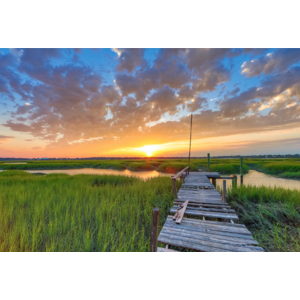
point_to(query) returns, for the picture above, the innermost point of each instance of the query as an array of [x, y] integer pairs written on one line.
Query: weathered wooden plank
[[197, 204], [213, 230], [200, 191], [209, 198], [180, 212], [196, 222], [216, 230], [191, 246], [199, 201], [210, 241], [160, 249], [208, 214], [211, 225], [214, 237], [203, 245], [224, 210]]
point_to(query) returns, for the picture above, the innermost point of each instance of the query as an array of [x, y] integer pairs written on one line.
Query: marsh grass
[[271, 214], [232, 168], [58, 212]]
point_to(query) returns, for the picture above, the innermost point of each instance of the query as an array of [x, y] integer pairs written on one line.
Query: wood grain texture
[[180, 212]]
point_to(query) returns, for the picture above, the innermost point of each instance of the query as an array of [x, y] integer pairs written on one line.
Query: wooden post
[[234, 181], [224, 191], [182, 177], [214, 181], [174, 188], [154, 230], [242, 179], [208, 162], [241, 171]]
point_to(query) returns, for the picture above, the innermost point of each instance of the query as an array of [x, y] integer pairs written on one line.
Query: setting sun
[[149, 149]]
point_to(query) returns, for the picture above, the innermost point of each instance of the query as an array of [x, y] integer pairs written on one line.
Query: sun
[[149, 149]]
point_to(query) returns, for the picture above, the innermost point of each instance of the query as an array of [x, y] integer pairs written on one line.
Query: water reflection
[[255, 178], [140, 174]]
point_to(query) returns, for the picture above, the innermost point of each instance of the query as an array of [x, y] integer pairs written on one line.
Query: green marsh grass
[[271, 214], [58, 212]]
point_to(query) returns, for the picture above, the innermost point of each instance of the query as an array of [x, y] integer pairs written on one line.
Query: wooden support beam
[[208, 162], [214, 182], [234, 181], [241, 166], [178, 175], [242, 179], [224, 191], [174, 188], [180, 212], [241, 171], [154, 230]]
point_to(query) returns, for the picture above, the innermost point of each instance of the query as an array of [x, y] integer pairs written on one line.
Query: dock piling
[[174, 188], [214, 182], [208, 162], [234, 181], [154, 230], [241, 171], [224, 191]]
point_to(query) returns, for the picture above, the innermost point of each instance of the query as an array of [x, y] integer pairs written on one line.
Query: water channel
[[252, 178]]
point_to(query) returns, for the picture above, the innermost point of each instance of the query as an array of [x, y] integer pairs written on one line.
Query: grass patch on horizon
[[295, 175], [58, 212]]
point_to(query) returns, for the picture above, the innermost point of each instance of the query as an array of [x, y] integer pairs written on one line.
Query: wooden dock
[[204, 222]]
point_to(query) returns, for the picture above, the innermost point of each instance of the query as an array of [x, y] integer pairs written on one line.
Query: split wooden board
[[208, 236]]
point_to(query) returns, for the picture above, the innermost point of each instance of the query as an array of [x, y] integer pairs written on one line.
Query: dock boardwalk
[[208, 223]]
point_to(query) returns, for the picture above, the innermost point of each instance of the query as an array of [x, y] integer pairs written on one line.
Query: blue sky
[[113, 102]]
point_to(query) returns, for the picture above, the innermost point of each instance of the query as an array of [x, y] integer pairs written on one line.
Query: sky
[[138, 102]]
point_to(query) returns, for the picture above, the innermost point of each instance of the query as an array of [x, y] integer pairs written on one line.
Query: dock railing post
[[234, 181], [224, 191], [174, 188], [208, 162], [242, 171], [154, 230], [214, 182]]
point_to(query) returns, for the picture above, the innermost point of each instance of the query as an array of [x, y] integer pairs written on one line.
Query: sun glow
[[149, 149]]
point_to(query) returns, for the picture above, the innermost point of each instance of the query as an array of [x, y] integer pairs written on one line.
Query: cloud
[[69, 102], [5, 138], [129, 59], [252, 98], [278, 61]]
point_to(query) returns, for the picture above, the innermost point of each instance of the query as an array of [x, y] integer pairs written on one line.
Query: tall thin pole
[[190, 139]]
